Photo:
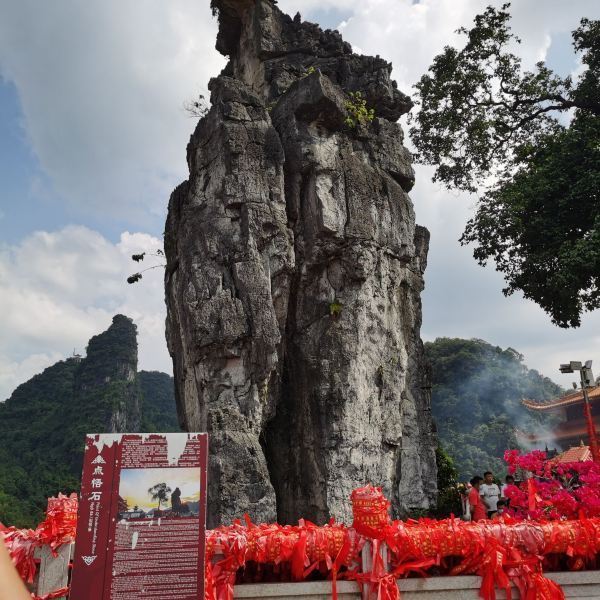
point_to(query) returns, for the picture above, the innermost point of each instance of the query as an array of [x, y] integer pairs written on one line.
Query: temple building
[[579, 453], [571, 429]]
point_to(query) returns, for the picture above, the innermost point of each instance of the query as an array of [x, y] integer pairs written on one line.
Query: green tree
[[448, 501], [483, 118], [159, 492], [159, 413]]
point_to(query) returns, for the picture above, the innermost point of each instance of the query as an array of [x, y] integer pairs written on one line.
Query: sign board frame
[[123, 553]]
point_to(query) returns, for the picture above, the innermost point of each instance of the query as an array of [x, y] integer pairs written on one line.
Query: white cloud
[[102, 86], [410, 34], [59, 288]]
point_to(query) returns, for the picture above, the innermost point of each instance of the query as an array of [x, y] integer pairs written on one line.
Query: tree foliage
[[477, 390], [358, 113], [448, 500], [487, 124], [196, 108], [159, 413], [135, 277]]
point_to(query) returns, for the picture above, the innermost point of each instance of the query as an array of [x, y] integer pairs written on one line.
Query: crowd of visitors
[[486, 500]]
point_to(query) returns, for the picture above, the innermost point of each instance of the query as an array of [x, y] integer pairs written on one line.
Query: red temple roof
[[574, 454], [567, 400]]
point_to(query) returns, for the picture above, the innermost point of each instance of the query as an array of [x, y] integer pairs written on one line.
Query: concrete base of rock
[[585, 584]]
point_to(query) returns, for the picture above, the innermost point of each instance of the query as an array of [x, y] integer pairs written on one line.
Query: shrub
[[357, 110]]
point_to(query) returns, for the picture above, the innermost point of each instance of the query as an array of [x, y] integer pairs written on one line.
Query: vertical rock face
[[294, 273]]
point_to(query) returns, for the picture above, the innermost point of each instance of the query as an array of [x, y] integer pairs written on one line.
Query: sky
[[93, 137]]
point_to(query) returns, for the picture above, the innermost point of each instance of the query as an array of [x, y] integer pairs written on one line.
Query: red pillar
[[591, 429]]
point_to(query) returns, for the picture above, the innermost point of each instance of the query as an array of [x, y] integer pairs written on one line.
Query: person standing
[[490, 493], [478, 508], [510, 480]]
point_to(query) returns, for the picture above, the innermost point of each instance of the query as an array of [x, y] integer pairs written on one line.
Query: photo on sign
[[169, 493]]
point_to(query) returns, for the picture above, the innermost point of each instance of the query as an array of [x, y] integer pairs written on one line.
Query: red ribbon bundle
[[58, 528], [52, 595], [370, 511], [303, 548], [501, 551]]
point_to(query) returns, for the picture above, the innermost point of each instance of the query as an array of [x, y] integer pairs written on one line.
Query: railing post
[[367, 566], [54, 570]]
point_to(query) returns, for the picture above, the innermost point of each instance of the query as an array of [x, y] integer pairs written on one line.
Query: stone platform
[[585, 584]]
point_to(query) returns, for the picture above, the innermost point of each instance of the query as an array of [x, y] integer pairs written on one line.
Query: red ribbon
[[531, 494], [501, 551]]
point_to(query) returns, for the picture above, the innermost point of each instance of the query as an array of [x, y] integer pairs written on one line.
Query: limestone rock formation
[[293, 281], [107, 378]]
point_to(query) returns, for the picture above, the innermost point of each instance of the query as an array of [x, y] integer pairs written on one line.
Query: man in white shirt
[[490, 493]]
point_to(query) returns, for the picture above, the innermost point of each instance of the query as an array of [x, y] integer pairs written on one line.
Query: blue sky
[[27, 196], [23, 211], [92, 141]]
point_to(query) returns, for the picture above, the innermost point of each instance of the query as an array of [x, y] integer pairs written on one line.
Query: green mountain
[[44, 422], [476, 398], [477, 390], [158, 401]]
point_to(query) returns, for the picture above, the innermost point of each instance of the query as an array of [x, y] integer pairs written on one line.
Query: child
[[500, 508]]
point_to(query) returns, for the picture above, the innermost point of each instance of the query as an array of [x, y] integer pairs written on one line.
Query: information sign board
[[142, 517]]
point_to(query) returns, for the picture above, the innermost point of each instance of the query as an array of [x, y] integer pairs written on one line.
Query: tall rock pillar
[[294, 273]]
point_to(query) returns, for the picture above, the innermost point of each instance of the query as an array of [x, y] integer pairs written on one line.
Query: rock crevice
[[294, 277]]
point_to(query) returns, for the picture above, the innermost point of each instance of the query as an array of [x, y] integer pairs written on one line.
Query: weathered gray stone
[[294, 273], [576, 584]]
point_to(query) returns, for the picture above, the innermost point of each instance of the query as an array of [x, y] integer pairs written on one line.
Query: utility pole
[[587, 380]]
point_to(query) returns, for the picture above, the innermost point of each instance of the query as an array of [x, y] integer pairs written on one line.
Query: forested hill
[[43, 423], [476, 401], [158, 402]]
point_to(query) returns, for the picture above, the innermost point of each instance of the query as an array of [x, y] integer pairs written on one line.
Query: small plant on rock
[[357, 110], [335, 308]]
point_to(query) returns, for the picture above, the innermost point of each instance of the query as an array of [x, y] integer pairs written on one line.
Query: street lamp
[[587, 381]]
